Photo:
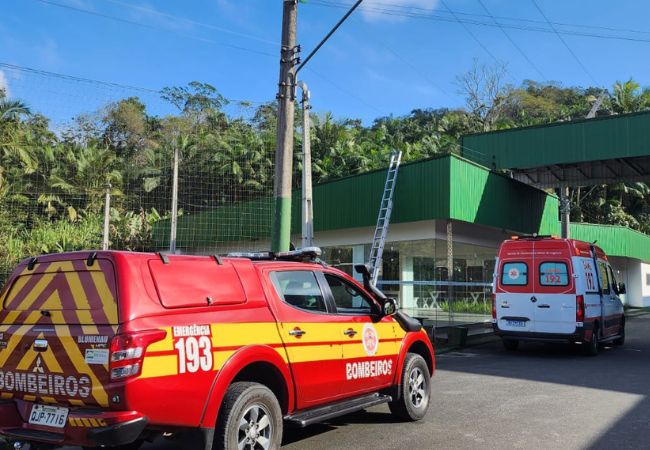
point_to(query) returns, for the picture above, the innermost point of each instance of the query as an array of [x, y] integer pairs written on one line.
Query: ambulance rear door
[[515, 311]]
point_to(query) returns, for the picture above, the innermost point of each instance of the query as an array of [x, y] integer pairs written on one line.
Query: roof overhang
[[620, 170]]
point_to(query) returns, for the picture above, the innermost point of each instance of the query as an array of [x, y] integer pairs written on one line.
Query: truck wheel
[[415, 390], [592, 347], [620, 340], [250, 418], [511, 344]]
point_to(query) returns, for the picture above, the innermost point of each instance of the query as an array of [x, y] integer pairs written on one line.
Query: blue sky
[[377, 64]]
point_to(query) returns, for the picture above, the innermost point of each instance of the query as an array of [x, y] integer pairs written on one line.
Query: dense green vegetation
[[52, 184]]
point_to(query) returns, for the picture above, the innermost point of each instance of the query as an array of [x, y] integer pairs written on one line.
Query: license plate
[[50, 416], [516, 323]]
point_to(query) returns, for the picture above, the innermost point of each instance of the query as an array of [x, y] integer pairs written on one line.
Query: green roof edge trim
[[615, 240]]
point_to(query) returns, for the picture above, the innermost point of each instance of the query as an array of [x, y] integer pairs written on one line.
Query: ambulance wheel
[[592, 347], [511, 344], [132, 446], [250, 418], [620, 340], [415, 390]]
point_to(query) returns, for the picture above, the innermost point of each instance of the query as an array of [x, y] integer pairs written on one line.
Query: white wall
[[645, 290], [634, 274]]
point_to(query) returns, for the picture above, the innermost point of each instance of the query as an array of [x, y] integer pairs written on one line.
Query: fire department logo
[[370, 339], [513, 273]]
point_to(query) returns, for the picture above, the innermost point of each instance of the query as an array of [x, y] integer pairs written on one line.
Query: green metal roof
[[447, 187], [614, 240], [604, 138]]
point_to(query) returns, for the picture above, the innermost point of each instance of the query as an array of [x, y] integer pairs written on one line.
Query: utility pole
[[174, 221], [281, 231], [307, 198], [286, 108], [107, 216], [565, 212]]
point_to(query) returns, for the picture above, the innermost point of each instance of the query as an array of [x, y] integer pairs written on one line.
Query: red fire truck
[[114, 348]]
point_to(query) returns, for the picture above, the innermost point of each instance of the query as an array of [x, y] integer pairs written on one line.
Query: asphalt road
[[540, 397]]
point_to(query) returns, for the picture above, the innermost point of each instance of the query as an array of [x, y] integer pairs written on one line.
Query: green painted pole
[[281, 230]]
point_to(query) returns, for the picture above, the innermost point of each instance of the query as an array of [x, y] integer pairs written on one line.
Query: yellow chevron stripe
[[110, 305], [13, 343], [38, 289], [78, 360]]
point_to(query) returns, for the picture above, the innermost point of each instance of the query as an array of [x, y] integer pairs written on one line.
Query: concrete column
[[406, 290]]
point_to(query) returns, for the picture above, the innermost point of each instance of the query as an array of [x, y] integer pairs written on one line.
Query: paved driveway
[[540, 397]]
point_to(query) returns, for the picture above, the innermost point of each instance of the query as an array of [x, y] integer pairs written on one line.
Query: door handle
[[349, 332], [297, 332], [544, 306]]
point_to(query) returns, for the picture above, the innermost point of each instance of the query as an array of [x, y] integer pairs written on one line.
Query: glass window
[[514, 274], [647, 279], [348, 299], [604, 277], [300, 289], [553, 274]]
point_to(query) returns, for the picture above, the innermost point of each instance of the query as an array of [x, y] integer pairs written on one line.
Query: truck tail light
[[494, 306], [580, 308], [127, 352]]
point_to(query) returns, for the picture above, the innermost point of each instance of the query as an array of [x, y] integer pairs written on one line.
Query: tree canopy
[[52, 182]]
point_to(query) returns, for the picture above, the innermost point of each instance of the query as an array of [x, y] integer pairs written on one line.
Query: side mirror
[[390, 307], [621, 288]]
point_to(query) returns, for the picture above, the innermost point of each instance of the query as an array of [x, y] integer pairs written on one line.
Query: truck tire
[[415, 390], [592, 347], [250, 418], [511, 344], [620, 340]]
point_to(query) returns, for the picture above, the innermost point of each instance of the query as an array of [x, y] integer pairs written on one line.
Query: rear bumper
[[85, 427], [580, 335]]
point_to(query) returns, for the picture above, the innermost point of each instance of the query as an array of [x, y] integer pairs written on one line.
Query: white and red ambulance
[[556, 290]]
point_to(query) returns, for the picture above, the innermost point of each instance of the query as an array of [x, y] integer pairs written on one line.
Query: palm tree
[[628, 97], [12, 110]]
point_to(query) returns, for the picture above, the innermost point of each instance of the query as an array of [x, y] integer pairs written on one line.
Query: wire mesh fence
[[444, 303], [66, 142]]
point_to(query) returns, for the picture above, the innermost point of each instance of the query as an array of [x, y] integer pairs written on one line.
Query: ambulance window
[[514, 274], [553, 274], [348, 299], [604, 277], [299, 289]]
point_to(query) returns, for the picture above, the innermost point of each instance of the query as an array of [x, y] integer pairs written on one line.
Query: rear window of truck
[[68, 292], [553, 274], [514, 274]]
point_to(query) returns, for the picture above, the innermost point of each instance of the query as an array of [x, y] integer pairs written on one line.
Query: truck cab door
[[370, 347], [613, 306], [311, 336]]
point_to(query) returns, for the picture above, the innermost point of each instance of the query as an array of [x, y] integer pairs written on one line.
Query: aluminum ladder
[[383, 219]]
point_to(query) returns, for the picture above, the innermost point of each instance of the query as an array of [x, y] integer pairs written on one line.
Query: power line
[[512, 41], [151, 27], [478, 41], [346, 91], [139, 24], [400, 7], [564, 42], [108, 84], [490, 23], [193, 22]]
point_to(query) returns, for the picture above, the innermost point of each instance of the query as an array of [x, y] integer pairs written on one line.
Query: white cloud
[[375, 10], [4, 84]]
